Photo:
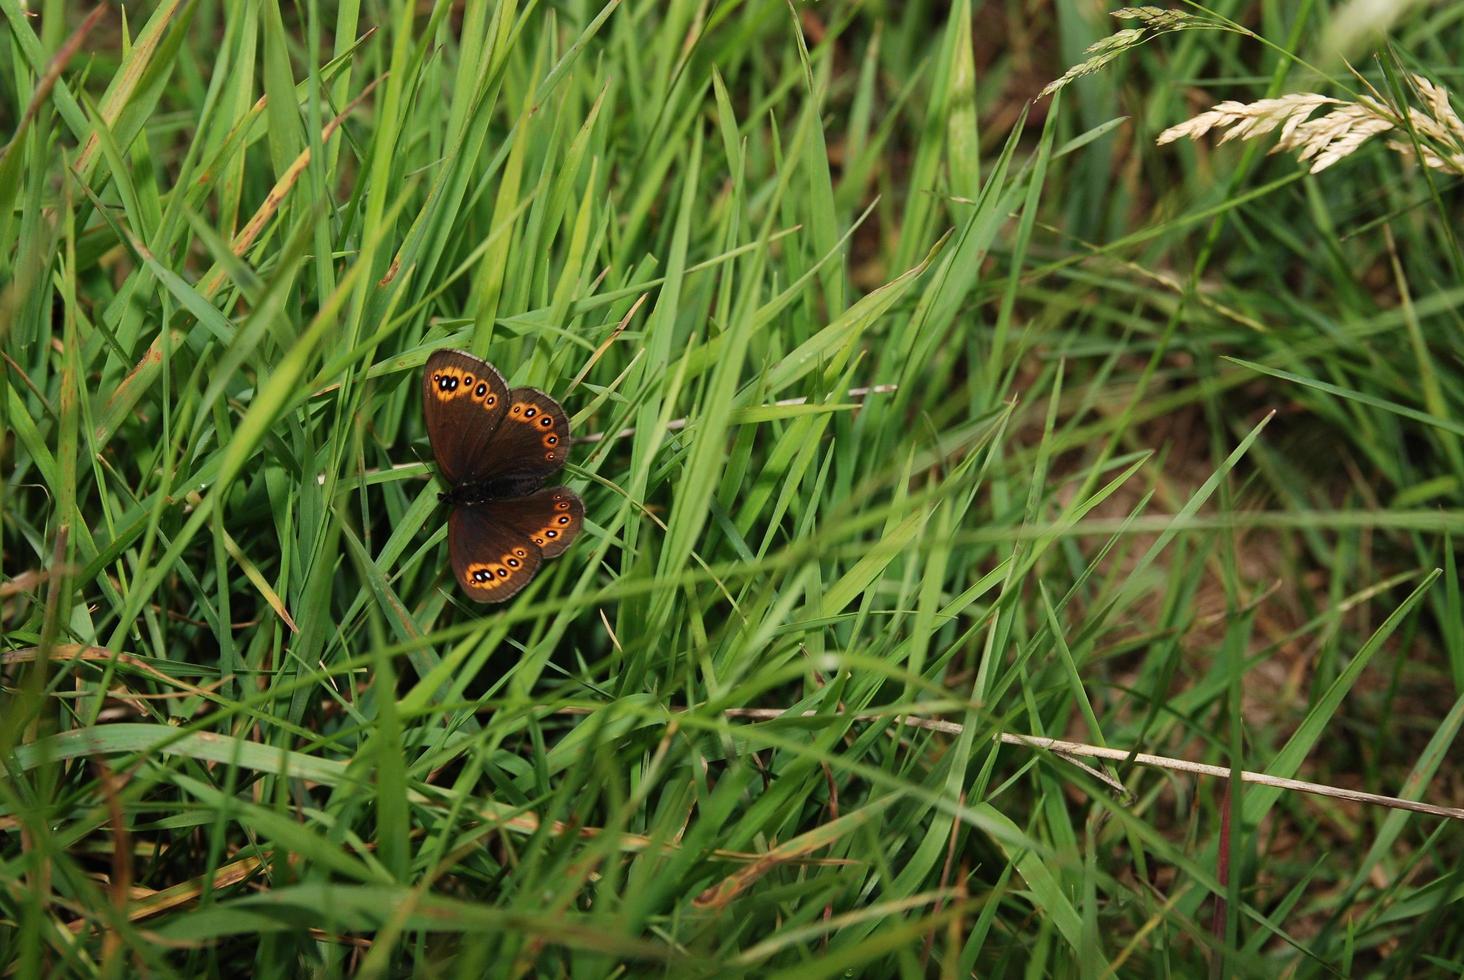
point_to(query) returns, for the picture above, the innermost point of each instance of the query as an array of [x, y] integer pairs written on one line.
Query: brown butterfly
[[496, 447]]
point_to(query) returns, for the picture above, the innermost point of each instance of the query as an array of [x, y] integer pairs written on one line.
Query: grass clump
[[933, 440]]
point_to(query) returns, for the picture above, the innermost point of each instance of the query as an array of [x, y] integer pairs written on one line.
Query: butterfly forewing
[[532, 441], [465, 401]]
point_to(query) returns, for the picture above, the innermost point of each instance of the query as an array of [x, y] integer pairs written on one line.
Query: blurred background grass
[[924, 410]]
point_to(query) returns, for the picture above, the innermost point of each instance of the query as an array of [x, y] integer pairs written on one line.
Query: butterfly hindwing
[[491, 559], [550, 518], [497, 546], [465, 401]]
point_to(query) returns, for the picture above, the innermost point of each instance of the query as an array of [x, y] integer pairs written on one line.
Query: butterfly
[[496, 447]]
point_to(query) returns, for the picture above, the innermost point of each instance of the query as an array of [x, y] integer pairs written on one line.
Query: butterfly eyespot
[[529, 412], [564, 520], [516, 409], [513, 563], [481, 390], [546, 421], [539, 541], [551, 533], [503, 573], [492, 400], [520, 552], [550, 440], [549, 456], [562, 505]]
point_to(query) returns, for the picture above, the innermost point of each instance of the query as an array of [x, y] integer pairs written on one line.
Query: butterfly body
[[496, 448], [487, 491]]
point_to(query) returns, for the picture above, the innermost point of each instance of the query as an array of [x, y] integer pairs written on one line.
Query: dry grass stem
[[1155, 21], [1432, 133], [1162, 18], [1077, 749]]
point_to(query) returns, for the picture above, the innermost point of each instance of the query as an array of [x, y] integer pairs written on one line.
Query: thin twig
[[1064, 748], [1246, 775]]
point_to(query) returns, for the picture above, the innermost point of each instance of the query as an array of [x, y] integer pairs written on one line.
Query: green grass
[[1167, 458]]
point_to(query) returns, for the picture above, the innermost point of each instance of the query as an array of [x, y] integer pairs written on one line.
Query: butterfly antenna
[[432, 471], [428, 464]]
